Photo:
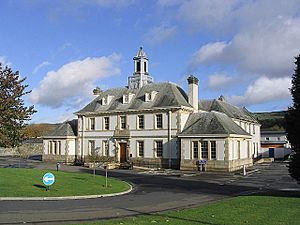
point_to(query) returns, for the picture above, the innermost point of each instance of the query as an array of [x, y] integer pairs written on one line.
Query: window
[[138, 66], [126, 98], [50, 147], [141, 122], [92, 124], [105, 148], [239, 149], [104, 100], [140, 148], [253, 129], [106, 123], [196, 149], [150, 96], [213, 150], [145, 67], [91, 147], [55, 148], [123, 122], [204, 149], [159, 121], [159, 148]]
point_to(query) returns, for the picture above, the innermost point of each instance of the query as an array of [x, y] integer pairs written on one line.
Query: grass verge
[[250, 210], [28, 183]]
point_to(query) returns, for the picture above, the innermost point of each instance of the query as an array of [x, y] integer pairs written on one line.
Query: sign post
[[202, 165], [48, 179]]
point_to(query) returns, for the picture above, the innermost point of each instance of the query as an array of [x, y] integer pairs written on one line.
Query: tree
[[293, 123], [37, 130], [13, 112]]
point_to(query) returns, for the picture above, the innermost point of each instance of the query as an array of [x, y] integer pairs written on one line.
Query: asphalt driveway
[[152, 193]]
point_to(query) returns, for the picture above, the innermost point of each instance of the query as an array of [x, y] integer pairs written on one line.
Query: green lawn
[[250, 210], [28, 183]]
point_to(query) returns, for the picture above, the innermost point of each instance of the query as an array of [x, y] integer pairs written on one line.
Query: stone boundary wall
[[25, 150]]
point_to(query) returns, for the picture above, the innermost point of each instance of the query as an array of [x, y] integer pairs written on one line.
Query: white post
[[244, 170], [106, 176]]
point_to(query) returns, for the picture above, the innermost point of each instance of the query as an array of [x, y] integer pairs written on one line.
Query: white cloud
[[111, 3], [266, 49], [67, 116], [264, 90], [40, 66], [207, 14], [219, 80], [74, 80], [233, 15], [4, 62], [160, 33], [208, 53], [168, 3]]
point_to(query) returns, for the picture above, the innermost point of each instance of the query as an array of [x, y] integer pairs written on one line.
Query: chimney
[[97, 91], [193, 92]]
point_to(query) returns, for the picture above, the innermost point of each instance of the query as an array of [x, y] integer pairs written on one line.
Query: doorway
[[271, 152], [123, 152]]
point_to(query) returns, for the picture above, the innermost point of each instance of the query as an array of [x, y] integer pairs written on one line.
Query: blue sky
[[243, 50]]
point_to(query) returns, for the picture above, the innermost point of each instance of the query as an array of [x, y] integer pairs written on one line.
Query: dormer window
[[149, 97], [106, 100], [127, 98]]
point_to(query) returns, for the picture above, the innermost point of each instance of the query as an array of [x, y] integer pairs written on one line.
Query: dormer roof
[[168, 96]]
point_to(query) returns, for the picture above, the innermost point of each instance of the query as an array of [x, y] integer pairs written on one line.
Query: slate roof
[[228, 109], [68, 128], [169, 95], [211, 123]]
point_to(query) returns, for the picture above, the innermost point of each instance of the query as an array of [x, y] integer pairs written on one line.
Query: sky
[[243, 50]]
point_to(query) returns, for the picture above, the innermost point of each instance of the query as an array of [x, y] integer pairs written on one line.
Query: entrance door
[[271, 152], [123, 157]]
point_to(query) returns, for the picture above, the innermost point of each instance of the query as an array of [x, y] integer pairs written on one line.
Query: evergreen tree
[[293, 123], [13, 112]]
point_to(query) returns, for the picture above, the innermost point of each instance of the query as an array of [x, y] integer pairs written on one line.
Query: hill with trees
[[271, 121]]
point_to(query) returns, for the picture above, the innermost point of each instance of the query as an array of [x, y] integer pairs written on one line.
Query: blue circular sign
[[48, 179]]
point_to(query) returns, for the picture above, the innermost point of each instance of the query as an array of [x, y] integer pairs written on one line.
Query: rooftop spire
[[141, 53], [140, 76]]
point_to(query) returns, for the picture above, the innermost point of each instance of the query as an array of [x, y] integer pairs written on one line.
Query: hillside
[[38, 130], [271, 121]]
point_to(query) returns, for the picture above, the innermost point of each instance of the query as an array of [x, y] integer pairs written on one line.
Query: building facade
[[159, 125], [274, 144]]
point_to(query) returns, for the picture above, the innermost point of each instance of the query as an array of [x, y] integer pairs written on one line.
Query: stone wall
[[155, 162], [70, 159], [217, 165], [25, 150]]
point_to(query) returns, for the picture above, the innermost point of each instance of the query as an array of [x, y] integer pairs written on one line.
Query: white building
[[274, 144], [159, 125]]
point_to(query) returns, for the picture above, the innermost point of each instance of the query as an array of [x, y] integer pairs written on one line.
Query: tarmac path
[[152, 193]]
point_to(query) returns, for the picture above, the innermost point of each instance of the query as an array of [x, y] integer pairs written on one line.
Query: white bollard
[[244, 170]]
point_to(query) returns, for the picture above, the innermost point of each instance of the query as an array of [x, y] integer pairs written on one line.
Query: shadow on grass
[[278, 193], [79, 178], [40, 186]]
